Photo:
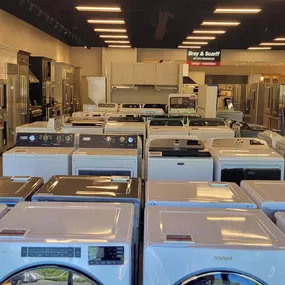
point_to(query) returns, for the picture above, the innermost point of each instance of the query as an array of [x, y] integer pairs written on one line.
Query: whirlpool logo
[[223, 258]]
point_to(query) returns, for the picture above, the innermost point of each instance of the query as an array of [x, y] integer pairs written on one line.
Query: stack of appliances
[[18, 189], [211, 246], [245, 159], [182, 104], [105, 155], [178, 159], [68, 243], [267, 195], [53, 125], [196, 195], [205, 129], [40, 155], [247, 130], [170, 126]]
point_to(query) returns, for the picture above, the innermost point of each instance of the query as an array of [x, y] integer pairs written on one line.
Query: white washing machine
[[194, 194], [67, 243], [18, 189], [132, 108], [178, 159], [107, 107], [89, 108], [185, 246], [280, 146], [86, 115], [182, 104], [84, 127], [205, 129], [158, 127], [106, 155], [269, 196], [270, 137], [245, 159], [40, 155], [52, 126]]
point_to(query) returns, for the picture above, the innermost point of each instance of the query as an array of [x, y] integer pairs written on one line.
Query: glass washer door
[[220, 278], [49, 275]]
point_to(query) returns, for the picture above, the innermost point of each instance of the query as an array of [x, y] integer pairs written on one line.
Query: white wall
[[20, 35], [144, 54]]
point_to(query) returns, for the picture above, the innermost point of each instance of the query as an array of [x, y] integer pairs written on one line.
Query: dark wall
[[226, 79]]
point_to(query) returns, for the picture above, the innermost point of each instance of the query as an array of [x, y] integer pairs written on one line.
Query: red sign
[[204, 63]]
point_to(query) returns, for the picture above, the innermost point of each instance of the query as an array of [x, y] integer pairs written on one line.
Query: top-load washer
[[270, 137], [89, 107], [177, 159], [230, 115], [205, 129], [18, 189], [240, 159], [83, 126], [132, 108], [152, 110], [182, 104], [185, 246], [194, 194], [52, 126], [106, 155], [107, 107], [269, 196], [247, 130], [158, 127], [86, 115], [40, 155], [67, 243]]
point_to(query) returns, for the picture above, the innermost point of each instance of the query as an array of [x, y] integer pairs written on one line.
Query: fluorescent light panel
[[113, 36], [192, 47], [220, 23], [119, 46], [237, 11], [98, 9], [194, 43], [111, 30], [259, 48], [200, 38], [279, 39], [209, 32], [116, 42], [272, 44], [108, 21]]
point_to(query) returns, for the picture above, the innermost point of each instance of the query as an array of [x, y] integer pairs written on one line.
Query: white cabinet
[[122, 73], [144, 73], [167, 74]]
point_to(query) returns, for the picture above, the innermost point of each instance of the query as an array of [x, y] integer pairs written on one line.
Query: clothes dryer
[[184, 246], [40, 155], [105, 155], [245, 159], [71, 243], [196, 195]]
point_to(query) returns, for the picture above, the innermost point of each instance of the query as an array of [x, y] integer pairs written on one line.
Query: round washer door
[[48, 275], [220, 278]]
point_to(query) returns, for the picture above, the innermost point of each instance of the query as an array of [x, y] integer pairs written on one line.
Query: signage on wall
[[204, 57]]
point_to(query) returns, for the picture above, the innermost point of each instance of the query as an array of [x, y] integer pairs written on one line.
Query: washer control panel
[[108, 141], [63, 252], [45, 140], [106, 255]]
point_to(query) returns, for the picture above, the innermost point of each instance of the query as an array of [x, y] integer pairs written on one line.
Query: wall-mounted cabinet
[[167, 74], [122, 73], [144, 73]]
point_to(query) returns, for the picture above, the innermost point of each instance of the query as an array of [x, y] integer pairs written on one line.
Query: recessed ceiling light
[[119, 46], [200, 38], [116, 42], [98, 9], [259, 48], [272, 44], [113, 36], [194, 43], [209, 32], [111, 30], [279, 39], [220, 24], [193, 47], [237, 11], [98, 21]]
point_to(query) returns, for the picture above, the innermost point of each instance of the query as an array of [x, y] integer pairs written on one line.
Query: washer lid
[[33, 151], [195, 192], [91, 187], [68, 222], [198, 227]]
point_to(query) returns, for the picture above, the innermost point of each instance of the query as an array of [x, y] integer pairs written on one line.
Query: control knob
[[108, 139], [45, 137], [122, 139]]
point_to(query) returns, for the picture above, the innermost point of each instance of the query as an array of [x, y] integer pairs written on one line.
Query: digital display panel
[[105, 255]]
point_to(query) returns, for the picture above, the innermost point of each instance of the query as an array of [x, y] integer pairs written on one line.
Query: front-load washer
[[169, 126], [18, 189], [270, 137], [205, 129], [196, 194], [67, 243], [269, 196], [187, 246], [40, 155], [106, 155], [84, 127], [52, 126], [178, 159], [245, 159]]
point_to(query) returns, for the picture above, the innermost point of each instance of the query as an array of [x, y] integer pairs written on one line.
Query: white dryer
[[158, 127], [185, 246], [52, 126], [106, 155], [67, 243], [245, 159], [40, 155], [205, 129], [178, 159], [269, 196], [194, 194]]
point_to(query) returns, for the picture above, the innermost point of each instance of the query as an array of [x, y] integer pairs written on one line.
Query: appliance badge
[[223, 258]]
